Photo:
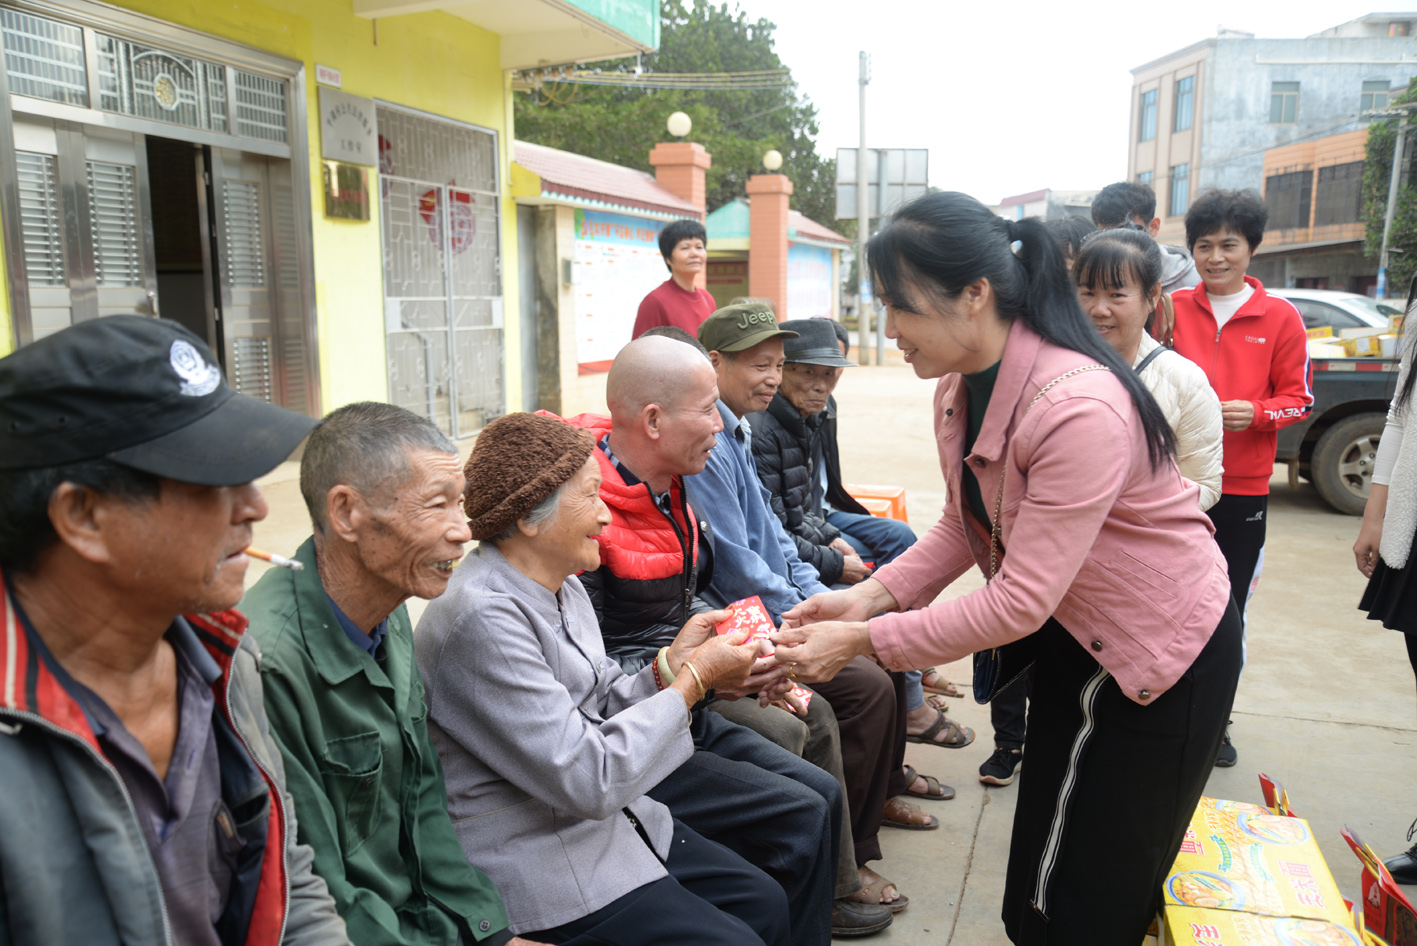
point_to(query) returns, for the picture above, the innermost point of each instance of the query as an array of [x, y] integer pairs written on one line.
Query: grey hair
[[544, 513], [364, 446]]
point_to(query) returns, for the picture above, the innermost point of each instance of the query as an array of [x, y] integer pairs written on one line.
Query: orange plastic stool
[[884, 502]]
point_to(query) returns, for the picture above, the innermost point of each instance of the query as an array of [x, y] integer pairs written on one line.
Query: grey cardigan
[[544, 741]]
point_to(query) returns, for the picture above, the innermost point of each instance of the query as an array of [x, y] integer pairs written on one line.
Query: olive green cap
[[740, 327]]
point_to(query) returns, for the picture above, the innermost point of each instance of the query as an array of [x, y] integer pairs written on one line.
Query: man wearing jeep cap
[[144, 799]]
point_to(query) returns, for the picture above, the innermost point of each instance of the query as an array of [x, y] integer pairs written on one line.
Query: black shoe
[[1227, 756], [999, 769], [1403, 867], [851, 918]]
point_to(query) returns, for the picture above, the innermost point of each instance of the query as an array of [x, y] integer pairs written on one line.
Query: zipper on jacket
[[273, 787], [37, 720], [688, 572]]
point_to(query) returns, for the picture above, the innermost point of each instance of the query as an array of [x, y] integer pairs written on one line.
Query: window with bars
[[1185, 103], [1148, 116], [113, 217], [1283, 103], [1289, 196], [1339, 197], [45, 59], [1374, 95], [1180, 190]]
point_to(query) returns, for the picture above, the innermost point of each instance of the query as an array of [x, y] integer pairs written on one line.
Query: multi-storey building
[[1205, 115]]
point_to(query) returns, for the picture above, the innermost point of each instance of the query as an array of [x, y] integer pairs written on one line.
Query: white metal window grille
[[113, 214], [439, 214], [251, 366], [260, 107], [245, 263], [44, 59], [157, 85], [40, 216]]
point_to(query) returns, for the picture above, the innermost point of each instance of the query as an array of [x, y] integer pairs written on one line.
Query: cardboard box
[[1327, 349], [1394, 324], [1363, 346], [1362, 332], [1323, 331], [1189, 926], [1237, 856], [1392, 345]]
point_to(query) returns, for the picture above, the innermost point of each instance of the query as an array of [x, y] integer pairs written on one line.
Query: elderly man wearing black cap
[[753, 555], [345, 699], [144, 799]]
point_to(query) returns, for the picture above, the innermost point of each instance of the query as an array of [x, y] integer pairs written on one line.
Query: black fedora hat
[[815, 344]]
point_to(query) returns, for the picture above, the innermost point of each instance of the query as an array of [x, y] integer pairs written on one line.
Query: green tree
[[737, 127], [1377, 176]]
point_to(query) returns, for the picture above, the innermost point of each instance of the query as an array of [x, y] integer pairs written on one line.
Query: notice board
[[616, 263]]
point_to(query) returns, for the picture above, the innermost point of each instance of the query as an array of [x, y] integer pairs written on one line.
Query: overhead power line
[[532, 79]]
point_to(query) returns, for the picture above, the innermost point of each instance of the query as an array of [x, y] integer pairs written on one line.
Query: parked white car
[[1340, 310]]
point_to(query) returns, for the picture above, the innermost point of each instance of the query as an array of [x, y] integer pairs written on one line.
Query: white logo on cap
[[198, 377]]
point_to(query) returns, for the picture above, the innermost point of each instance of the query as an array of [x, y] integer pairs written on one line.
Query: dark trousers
[[875, 539], [1239, 531], [870, 713], [712, 897], [1008, 711], [776, 811], [1111, 787]]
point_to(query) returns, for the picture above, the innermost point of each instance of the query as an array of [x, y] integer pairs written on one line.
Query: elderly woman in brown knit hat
[[547, 747]]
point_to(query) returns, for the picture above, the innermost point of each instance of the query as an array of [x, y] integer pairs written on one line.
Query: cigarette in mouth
[[275, 559]]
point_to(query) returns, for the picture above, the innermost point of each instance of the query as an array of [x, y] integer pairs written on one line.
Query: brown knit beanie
[[518, 461]]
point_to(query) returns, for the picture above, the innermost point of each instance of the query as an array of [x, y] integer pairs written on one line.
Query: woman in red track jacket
[[1253, 348]]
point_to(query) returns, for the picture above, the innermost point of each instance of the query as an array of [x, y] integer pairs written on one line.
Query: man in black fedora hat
[[145, 800]]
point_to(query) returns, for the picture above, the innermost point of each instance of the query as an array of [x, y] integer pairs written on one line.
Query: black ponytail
[[940, 243]]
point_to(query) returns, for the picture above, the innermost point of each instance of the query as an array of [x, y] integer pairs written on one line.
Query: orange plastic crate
[[871, 496]]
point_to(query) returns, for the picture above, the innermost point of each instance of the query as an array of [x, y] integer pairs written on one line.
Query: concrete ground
[[1326, 704]]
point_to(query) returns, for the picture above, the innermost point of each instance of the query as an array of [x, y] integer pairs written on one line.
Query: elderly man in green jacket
[[343, 694]]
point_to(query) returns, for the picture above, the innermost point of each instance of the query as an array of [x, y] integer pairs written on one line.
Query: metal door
[[255, 292], [442, 269], [85, 221]]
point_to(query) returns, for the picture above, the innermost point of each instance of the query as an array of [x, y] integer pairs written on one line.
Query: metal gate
[[442, 268]]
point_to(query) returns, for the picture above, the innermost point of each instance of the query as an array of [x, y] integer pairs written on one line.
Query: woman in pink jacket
[[1104, 577]]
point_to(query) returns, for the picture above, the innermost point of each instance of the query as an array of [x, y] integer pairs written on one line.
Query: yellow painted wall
[[429, 61]]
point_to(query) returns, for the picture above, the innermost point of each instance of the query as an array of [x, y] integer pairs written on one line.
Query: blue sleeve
[[738, 571]]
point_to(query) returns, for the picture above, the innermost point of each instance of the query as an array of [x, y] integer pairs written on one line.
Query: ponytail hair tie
[[1011, 229]]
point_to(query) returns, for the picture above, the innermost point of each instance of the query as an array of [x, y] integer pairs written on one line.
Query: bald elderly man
[[743, 790]]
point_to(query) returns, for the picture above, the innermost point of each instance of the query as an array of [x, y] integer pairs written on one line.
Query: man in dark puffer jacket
[[740, 789]]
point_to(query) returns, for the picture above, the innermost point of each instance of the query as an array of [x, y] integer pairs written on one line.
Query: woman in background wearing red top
[[676, 302], [1062, 486], [1253, 349]]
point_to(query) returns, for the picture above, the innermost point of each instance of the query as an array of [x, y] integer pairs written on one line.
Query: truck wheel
[[1341, 468]]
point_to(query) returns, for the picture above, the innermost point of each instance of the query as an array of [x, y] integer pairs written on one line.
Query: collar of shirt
[[660, 499], [367, 641], [736, 427]]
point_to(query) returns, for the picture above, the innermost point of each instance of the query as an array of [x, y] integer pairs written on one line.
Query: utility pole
[[865, 303], [1393, 184]]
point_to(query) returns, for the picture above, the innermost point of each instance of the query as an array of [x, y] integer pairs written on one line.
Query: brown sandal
[[872, 886], [931, 680], [934, 788], [900, 813], [957, 736]]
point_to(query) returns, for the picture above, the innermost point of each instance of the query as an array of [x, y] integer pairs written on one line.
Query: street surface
[[1326, 704]]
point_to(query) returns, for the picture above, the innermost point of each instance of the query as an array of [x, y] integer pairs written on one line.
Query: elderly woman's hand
[[722, 661], [818, 652], [700, 628]]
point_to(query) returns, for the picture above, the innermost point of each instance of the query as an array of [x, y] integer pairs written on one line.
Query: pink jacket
[[1122, 556]]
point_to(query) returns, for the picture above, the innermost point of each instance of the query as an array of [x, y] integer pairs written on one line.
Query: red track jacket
[[1261, 355]]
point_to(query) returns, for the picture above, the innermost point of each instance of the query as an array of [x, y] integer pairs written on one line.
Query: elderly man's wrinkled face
[[567, 539], [183, 551], [747, 380], [689, 426], [807, 387], [416, 529]]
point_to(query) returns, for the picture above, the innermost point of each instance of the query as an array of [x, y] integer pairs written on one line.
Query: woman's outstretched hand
[[818, 652], [856, 603]]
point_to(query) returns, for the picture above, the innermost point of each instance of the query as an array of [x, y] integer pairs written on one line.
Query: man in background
[[1130, 202]]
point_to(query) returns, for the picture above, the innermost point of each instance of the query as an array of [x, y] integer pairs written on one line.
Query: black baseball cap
[[740, 326], [815, 344], [142, 392]]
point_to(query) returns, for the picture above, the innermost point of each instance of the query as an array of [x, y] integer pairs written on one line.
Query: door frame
[[91, 16]]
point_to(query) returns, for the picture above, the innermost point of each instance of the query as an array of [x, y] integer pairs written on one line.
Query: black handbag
[[996, 668]]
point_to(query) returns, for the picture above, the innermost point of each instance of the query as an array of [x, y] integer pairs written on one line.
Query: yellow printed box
[[1189, 926], [1241, 858]]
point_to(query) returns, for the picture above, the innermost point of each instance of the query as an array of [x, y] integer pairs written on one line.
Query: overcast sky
[[1010, 96]]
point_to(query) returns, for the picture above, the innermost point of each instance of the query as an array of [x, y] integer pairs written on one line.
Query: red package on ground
[[1386, 910], [749, 614]]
